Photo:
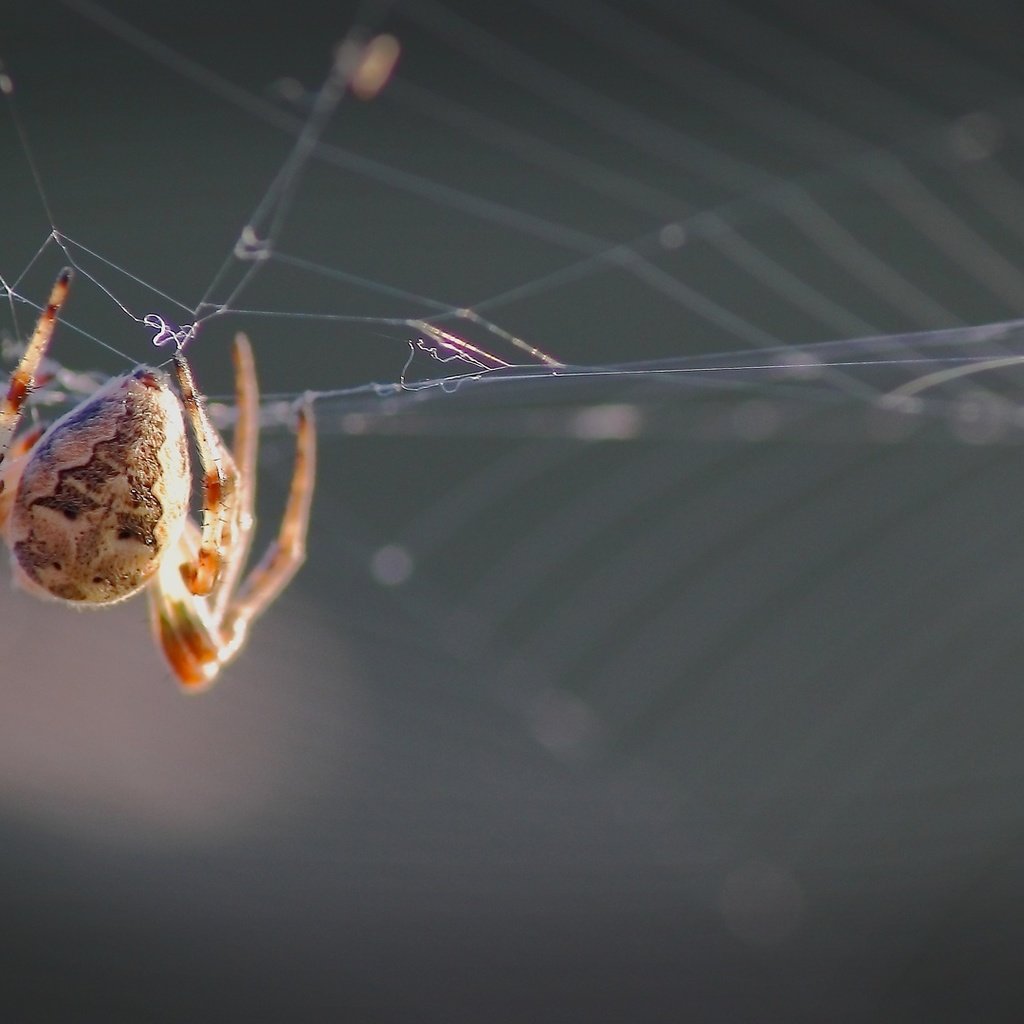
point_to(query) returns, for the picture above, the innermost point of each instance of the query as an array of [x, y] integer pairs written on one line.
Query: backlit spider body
[[96, 508], [103, 494]]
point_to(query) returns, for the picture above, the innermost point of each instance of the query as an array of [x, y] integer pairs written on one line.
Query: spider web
[[673, 305], [735, 594]]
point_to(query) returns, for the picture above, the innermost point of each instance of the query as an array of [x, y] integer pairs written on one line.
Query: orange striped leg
[[244, 444], [23, 378], [220, 481], [197, 638], [286, 554]]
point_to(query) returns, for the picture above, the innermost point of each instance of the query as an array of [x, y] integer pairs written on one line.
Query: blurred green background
[[708, 722]]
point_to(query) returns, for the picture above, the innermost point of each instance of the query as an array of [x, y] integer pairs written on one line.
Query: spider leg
[[11, 472], [200, 634], [286, 554], [220, 483], [244, 442], [24, 442], [23, 378], [183, 623]]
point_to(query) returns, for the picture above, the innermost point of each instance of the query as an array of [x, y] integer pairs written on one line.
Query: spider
[[96, 508]]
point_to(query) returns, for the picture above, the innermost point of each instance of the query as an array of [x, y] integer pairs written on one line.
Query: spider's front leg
[[285, 556], [220, 483], [23, 378], [200, 634]]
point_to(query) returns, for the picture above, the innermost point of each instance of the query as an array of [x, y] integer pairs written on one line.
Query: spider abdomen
[[104, 493]]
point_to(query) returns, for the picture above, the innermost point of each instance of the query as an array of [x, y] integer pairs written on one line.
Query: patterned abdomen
[[104, 494]]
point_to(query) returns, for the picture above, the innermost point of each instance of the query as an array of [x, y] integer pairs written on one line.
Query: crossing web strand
[[705, 275]]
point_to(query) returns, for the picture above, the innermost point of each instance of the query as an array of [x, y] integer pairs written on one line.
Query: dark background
[[683, 726]]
